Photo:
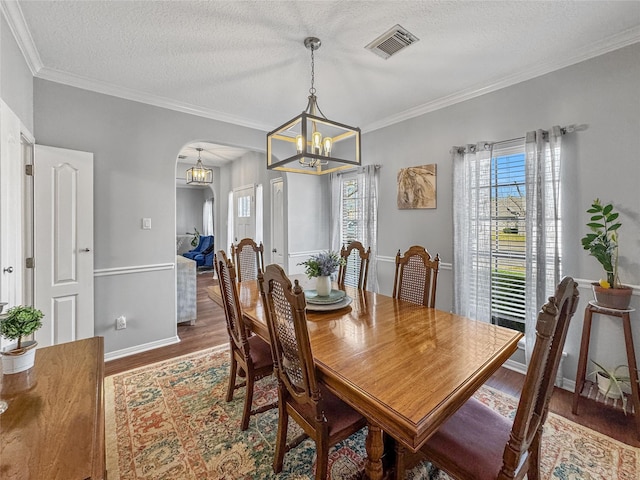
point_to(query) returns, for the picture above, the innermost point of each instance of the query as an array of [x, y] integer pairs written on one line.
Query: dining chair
[[353, 272], [416, 276], [321, 415], [249, 258], [250, 352], [479, 443]]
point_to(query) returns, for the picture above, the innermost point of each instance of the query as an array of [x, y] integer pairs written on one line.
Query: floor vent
[[392, 41]]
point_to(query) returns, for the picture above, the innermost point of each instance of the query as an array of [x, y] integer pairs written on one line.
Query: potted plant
[[611, 382], [19, 322], [322, 266], [602, 243]]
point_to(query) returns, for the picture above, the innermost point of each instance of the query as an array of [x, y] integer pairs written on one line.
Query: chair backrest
[[232, 310], [285, 315], [551, 332], [249, 259], [416, 276], [355, 269]]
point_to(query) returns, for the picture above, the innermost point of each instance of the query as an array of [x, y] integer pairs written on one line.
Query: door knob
[[274, 250], [85, 250], [8, 270]]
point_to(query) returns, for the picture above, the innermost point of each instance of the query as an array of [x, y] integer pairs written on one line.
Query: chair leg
[[248, 401], [322, 457], [533, 472], [232, 377], [281, 436]]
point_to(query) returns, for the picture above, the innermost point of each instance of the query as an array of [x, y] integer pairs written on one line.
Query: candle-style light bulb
[[316, 142], [299, 144], [328, 143]]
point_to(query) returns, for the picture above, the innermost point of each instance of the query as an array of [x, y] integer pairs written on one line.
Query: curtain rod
[[564, 130]]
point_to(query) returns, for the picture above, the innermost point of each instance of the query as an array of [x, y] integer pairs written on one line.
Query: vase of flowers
[[602, 243], [322, 266]]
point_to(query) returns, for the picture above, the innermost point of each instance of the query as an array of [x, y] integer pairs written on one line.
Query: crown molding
[[609, 44], [106, 88], [18, 26]]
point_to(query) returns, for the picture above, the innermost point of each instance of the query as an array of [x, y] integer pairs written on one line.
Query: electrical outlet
[[121, 322]]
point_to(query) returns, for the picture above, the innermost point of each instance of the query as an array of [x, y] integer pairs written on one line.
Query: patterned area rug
[[170, 421]]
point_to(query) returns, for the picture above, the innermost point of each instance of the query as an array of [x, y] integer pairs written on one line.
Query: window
[[507, 246], [507, 228], [354, 213]]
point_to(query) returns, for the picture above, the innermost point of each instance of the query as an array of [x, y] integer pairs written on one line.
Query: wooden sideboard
[[54, 425]]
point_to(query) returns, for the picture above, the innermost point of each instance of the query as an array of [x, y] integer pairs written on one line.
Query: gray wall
[[189, 202], [135, 149], [16, 84], [602, 161]]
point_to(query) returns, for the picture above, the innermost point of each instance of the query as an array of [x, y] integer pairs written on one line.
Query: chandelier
[[199, 175], [311, 143]]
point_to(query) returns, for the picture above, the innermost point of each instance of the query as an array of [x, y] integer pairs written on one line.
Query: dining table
[[405, 367]]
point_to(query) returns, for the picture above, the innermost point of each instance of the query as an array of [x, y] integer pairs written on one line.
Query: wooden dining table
[[407, 368]]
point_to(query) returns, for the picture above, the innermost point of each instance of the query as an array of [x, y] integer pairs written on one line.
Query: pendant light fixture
[[311, 143], [199, 175]]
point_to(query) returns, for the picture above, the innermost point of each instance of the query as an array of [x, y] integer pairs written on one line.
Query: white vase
[[16, 363], [607, 388], [323, 286]]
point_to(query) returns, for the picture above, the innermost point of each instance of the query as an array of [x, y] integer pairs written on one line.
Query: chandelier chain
[[312, 90]]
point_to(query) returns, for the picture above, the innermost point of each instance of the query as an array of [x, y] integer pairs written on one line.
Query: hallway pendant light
[[311, 143], [199, 175]]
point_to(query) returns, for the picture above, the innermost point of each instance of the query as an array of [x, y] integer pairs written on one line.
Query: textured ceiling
[[245, 62]]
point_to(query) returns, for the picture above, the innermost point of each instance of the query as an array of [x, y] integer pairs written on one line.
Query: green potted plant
[[322, 266], [19, 322], [602, 243], [611, 382]]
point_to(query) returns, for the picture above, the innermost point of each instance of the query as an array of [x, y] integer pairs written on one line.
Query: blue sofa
[[206, 241]]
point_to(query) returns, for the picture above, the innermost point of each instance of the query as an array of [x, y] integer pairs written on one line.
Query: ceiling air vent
[[392, 41]]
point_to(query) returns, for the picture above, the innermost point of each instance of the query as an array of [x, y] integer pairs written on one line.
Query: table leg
[[633, 368], [582, 361], [375, 448]]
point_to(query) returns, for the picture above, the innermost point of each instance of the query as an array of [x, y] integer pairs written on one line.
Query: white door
[[11, 208], [277, 222], [63, 183], [244, 212]]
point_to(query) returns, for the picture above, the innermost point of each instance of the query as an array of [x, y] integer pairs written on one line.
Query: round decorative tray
[[334, 297], [328, 307]]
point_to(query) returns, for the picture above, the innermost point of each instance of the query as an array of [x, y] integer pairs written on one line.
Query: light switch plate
[[146, 224]]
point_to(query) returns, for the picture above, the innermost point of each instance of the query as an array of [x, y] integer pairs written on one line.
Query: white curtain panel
[[472, 231], [230, 222], [543, 152], [207, 217], [368, 177], [335, 221], [259, 215]]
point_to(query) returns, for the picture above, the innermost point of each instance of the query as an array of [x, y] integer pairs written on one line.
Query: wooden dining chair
[[416, 276], [249, 258], [477, 443], [250, 352], [353, 272], [321, 415]]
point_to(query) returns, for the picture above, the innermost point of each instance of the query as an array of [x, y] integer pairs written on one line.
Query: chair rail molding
[[105, 272]]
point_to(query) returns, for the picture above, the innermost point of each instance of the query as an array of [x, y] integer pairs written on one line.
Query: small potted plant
[[611, 382], [322, 266], [602, 243], [19, 322]]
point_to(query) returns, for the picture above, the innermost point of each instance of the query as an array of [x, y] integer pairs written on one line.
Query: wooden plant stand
[[631, 357]]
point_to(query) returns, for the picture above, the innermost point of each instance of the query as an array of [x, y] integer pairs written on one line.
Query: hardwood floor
[[210, 330]]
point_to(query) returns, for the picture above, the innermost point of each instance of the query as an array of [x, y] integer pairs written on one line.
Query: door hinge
[[28, 170], [30, 262]]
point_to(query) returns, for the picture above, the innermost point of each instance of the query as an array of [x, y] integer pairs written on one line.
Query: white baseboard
[[125, 352]]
